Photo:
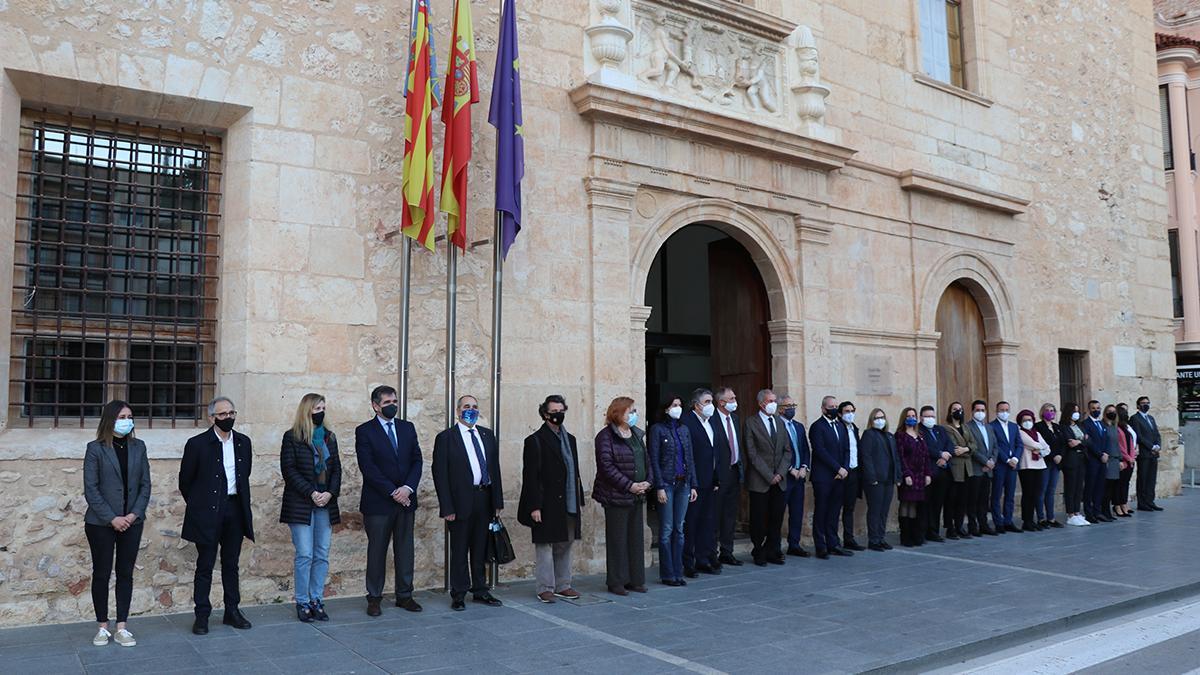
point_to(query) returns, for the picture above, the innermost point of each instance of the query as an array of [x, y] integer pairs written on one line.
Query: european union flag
[[505, 115]]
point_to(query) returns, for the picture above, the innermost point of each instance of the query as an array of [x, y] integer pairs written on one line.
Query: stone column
[[1003, 370], [638, 316], [814, 232], [787, 357], [609, 204], [1185, 209], [927, 367], [10, 135]]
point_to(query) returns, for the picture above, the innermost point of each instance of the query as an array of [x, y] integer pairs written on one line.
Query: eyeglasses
[[227, 415]]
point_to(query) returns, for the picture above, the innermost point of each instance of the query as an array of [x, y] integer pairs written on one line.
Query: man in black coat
[[389, 458], [466, 474], [214, 478], [552, 499], [730, 469], [700, 526], [1149, 442]]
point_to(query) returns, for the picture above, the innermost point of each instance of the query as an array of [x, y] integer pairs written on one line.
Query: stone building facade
[[938, 199]]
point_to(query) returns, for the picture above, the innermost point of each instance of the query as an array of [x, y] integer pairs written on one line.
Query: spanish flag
[[463, 83], [420, 100]]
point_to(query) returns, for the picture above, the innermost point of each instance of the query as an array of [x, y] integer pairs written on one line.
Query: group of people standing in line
[[691, 463]]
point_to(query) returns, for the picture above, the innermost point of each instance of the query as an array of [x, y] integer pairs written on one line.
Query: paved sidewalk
[[902, 610]]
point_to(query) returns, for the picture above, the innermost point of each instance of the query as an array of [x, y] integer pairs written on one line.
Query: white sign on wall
[[1124, 361]]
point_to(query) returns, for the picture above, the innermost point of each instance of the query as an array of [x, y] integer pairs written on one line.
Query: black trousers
[[827, 504], [1073, 475], [728, 500], [104, 541], [624, 548], [1122, 496], [766, 523], [700, 530], [879, 502], [979, 500], [935, 501], [956, 503], [468, 546], [1094, 488], [851, 490], [1031, 494], [395, 528], [230, 541], [1147, 481]]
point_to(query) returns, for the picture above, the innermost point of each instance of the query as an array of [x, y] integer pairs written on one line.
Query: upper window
[[1164, 113], [942, 49], [114, 291]]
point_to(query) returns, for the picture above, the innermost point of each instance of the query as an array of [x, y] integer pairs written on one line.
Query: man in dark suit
[[389, 458], [1095, 442], [797, 474], [941, 449], [727, 443], [830, 457], [466, 474], [700, 526], [1008, 456], [214, 479], [979, 487], [852, 484], [1149, 442], [768, 458]]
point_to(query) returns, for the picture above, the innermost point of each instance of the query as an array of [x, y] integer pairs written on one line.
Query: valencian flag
[[421, 97], [505, 115], [463, 84]]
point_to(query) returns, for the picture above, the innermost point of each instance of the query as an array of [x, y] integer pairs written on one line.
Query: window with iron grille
[[114, 291]]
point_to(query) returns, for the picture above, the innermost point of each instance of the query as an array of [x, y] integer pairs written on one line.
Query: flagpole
[[405, 289], [451, 340]]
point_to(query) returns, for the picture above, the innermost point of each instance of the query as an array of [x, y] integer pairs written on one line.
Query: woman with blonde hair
[[312, 477]]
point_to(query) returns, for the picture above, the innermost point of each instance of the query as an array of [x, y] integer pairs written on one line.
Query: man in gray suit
[[768, 458], [983, 459]]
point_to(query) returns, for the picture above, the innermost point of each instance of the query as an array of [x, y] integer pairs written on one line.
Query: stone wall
[[308, 97]]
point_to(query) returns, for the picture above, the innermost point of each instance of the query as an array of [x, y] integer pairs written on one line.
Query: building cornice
[[919, 181]]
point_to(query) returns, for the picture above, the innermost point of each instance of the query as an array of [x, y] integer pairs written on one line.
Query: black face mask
[[556, 418], [957, 415], [789, 413], [1095, 414], [1111, 416], [389, 411], [226, 424], [1145, 407], [831, 413], [318, 418]]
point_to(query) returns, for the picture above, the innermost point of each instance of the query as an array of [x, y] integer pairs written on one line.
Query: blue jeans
[[312, 556], [670, 531], [1045, 507]]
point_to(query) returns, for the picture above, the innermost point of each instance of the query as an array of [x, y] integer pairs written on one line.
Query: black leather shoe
[[886, 546], [934, 537], [876, 547], [1156, 507], [457, 604], [760, 562], [730, 560], [200, 625], [840, 551], [798, 552], [486, 598], [776, 561], [707, 569], [691, 574], [671, 582], [966, 534], [952, 535], [236, 619], [853, 546], [408, 604], [373, 607], [822, 555], [1011, 528], [319, 613], [304, 613]]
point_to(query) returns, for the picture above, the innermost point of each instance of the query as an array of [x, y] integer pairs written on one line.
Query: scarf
[[320, 450]]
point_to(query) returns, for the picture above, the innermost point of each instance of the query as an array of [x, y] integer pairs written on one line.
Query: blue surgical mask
[[470, 416], [631, 419], [123, 427], [910, 421]]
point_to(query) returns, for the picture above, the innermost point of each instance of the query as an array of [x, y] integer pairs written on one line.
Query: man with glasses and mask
[[466, 475], [727, 445], [797, 437], [214, 479], [389, 458]]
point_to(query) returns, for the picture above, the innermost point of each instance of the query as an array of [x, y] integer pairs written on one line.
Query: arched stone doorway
[[961, 352], [708, 324]]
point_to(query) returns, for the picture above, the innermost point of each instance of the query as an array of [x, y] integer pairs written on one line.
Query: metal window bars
[[115, 279]]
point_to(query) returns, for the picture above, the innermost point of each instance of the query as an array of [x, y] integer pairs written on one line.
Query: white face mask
[[928, 422], [848, 418], [1075, 416], [708, 410], [731, 407], [771, 407], [123, 427], [979, 415], [675, 411], [1026, 425], [879, 423], [1002, 416]]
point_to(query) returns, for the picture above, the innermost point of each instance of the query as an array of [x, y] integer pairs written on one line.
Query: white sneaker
[[1076, 521], [124, 638], [102, 637]]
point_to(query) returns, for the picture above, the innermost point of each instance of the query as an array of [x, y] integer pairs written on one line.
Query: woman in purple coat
[[914, 467], [624, 474]]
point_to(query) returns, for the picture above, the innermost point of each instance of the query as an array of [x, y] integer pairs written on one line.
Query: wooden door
[[961, 361], [741, 345]]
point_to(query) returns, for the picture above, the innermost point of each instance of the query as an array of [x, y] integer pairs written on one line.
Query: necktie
[[484, 477], [836, 432], [795, 444], [733, 454], [771, 427], [392, 438]]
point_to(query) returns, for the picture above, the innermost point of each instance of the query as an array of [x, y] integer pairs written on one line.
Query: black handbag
[[500, 548]]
